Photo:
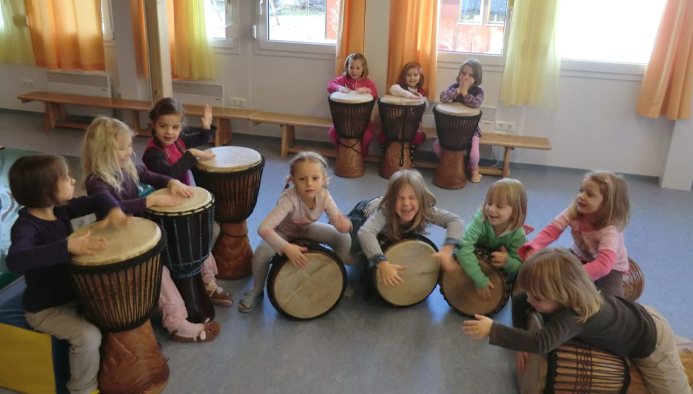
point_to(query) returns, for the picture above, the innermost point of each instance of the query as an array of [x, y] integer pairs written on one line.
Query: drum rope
[[350, 147], [236, 236]]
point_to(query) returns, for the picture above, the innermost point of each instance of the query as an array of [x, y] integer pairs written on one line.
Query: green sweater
[[480, 233]]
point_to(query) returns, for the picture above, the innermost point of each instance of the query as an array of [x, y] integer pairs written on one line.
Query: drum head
[[396, 100], [139, 237], [307, 293], [419, 279], [459, 291], [229, 159], [456, 109], [533, 380], [351, 97], [199, 200]]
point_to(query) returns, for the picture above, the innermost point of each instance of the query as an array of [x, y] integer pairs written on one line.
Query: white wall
[[594, 127]]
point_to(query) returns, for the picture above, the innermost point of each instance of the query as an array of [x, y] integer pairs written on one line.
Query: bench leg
[[62, 112], [137, 127], [506, 162], [223, 136], [288, 139], [51, 116]]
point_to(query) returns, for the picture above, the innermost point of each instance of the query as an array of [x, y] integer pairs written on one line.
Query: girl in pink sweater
[[596, 218], [355, 78]]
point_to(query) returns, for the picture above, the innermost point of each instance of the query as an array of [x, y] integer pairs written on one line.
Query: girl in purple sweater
[[108, 169], [466, 91], [41, 252]]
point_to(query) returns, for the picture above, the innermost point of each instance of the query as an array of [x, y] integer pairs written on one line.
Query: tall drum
[[456, 124], [233, 177], [419, 279], [400, 118], [119, 288], [189, 242], [351, 114]]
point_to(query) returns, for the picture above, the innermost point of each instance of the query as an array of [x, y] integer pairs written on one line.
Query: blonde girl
[[108, 169], [597, 217], [557, 285], [498, 226], [466, 90], [296, 216], [407, 207], [355, 79]]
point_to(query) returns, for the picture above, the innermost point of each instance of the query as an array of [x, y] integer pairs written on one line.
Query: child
[[409, 85], [596, 218], [467, 92], [407, 207], [171, 152], [295, 216], [41, 252], [108, 169], [498, 225], [557, 285], [355, 78], [166, 154]]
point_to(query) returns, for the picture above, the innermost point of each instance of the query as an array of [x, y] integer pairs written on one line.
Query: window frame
[[481, 14], [264, 46], [231, 29], [107, 20]]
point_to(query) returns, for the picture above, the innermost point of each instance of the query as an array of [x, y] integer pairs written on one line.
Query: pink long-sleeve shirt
[[291, 217], [353, 84], [604, 248]]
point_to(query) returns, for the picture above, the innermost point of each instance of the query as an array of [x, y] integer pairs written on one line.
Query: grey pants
[[318, 232], [63, 322]]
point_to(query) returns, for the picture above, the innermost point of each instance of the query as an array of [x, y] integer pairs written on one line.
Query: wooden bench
[[288, 124], [56, 114]]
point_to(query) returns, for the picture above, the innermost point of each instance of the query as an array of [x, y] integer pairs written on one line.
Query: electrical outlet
[[508, 127], [27, 83], [237, 102]]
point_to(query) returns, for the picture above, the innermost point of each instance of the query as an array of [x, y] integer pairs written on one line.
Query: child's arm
[[156, 161], [368, 238], [202, 135], [516, 241], [337, 84], [397, 90], [24, 255], [474, 99], [547, 236], [266, 229], [99, 204], [606, 256], [449, 95], [371, 87], [465, 253], [337, 219]]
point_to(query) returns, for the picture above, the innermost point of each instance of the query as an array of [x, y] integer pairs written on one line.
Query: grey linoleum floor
[[368, 347]]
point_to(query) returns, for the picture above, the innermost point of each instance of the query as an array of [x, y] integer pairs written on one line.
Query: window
[[472, 26], [106, 22], [621, 31], [2, 22], [216, 18]]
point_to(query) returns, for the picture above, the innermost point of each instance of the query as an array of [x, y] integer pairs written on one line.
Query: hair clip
[[288, 179], [606, 180], [421, 70]]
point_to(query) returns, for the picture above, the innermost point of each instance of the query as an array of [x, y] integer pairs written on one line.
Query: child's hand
[[362, 90], [521, 361], [207, 117], [447, 262], [344, 89], [295, 255], [343, 225], [201, 154], [389, 273], [485, 292], [481, 327], [500, 259], [163, 201], [116, 217], [86, 244], [179, 189]]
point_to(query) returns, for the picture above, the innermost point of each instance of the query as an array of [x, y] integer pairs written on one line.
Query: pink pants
[[171, 304], [473, 152], [365, 141], [419, 138]]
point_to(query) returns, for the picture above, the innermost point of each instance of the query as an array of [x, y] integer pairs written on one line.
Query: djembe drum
[[233, 177], [455, 124], [311, 292], [633, 281], [419, 279], [351, 114], [400, 118], [189, 231], [118, 288], [459, 289]]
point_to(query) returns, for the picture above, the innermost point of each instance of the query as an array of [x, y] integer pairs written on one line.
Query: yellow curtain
[[413, 38], [192, 53], [532, 65], [15, 38], [66, 34], [668, 82], [352, 23]]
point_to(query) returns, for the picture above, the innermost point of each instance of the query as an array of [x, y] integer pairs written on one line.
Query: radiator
[[83, 83], [199, 93]]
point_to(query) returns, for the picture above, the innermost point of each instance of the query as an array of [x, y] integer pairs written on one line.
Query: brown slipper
[[211, 331], [221, 298]]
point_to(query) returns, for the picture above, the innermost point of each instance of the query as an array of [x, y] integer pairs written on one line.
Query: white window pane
[[620, 31], [472, 26], [2, 22], [303, 21], [216, 18]]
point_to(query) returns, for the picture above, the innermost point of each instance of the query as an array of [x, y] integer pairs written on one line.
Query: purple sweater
[[129, 199], [155, 159], [473, 99], [39, 251]]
